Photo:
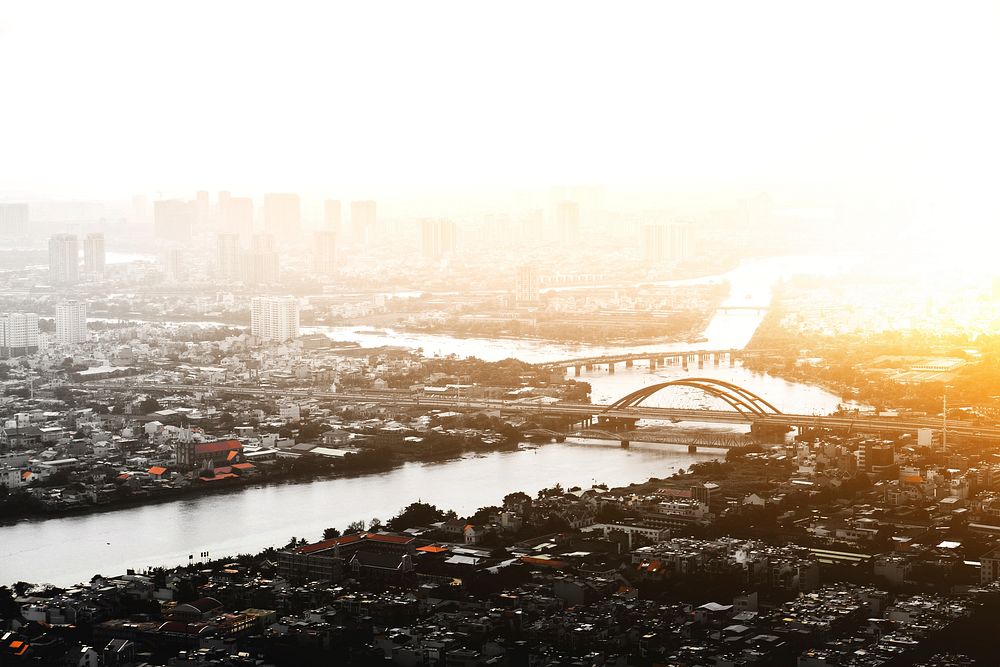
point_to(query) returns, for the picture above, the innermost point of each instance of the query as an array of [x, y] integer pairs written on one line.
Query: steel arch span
[[742, 400]]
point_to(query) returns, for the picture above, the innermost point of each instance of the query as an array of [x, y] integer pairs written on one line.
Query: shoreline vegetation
[[21, 506]]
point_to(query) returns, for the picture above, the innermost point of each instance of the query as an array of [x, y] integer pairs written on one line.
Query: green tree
[[65, 394], [416, 514]]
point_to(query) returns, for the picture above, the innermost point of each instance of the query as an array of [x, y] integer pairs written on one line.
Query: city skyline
[[499, 335]]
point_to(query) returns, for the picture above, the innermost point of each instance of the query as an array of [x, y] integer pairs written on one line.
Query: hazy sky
[[108, 98]]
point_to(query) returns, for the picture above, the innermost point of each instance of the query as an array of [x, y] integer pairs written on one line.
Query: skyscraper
[[64, 259], [568, 220], [282, 215], [173, 219], [325, 253], [332, 216], [71, 322], [175, 266], [18, 334], [202, 210], [274, 318], [13, 219], [259, 264], [222, 208], [238, 216], [437, 238], [362, 221], [669, 242], [227, 251], [526, 288], [139, 212], [93, 256]]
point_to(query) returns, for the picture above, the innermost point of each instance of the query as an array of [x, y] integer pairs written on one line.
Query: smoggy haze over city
[[465, 334]]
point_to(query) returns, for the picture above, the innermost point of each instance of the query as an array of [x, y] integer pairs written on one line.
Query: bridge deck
[[581, 411]]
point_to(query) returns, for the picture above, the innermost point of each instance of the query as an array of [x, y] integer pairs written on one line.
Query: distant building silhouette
[[282, 215], [259, 264], [325, 253], [227, 257], [14, 219], [568, 220], [64, 259], [332, 216], [670, 242], [94, 259], [437, 238], [202, 210], [238, 216], [173, 219], [362, 221]]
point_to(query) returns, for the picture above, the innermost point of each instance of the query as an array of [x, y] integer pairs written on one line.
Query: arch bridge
[[744, 401]]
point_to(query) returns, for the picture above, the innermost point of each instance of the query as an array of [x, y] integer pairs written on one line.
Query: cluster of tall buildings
[[256, 264], [280, 216], [64, 258], [437, 238], [670, 242], [19, 331]]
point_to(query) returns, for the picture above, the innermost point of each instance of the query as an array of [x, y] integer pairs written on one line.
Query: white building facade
[[274, 318], [71, 322]]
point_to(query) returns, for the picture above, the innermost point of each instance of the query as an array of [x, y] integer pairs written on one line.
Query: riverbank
[[21, 506], [254, 517]]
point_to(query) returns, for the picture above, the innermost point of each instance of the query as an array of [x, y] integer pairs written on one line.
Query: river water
[[70, 549]]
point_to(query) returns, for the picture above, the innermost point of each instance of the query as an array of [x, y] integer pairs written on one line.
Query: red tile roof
[[157, 470], [351, 539], [328, 544], [217, 446]]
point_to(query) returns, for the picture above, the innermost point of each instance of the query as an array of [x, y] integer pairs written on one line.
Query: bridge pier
[[652, 364], [611, 368], [628, 363], [576, 371], [692, 449], [715, 358], [685, 361], [701, 360], [732, 358]]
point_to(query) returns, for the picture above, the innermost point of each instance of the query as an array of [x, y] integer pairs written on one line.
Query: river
[[70, 549], [66, 550], [751, 285]]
